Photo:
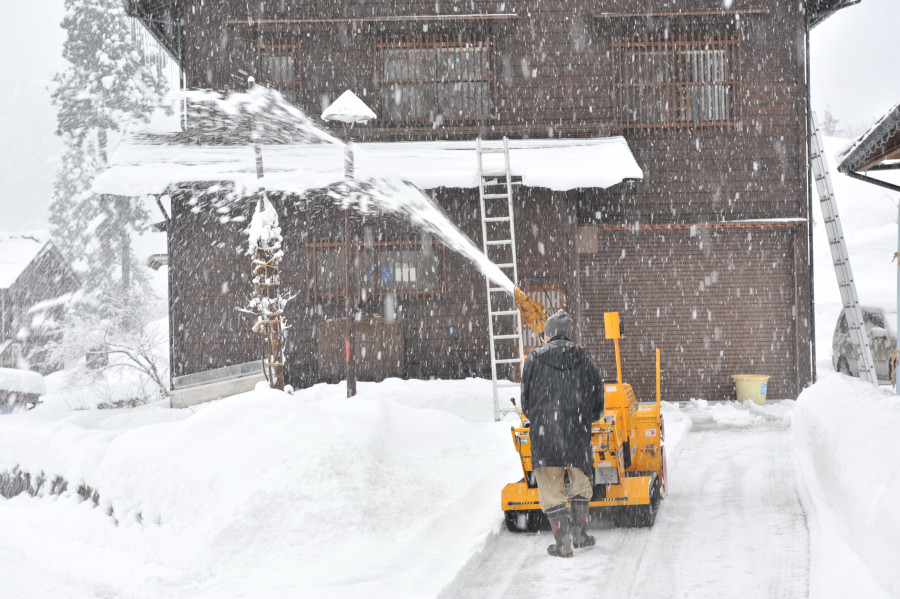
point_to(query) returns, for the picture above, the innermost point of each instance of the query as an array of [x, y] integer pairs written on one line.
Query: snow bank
[[319, 494], [848, 456], [22, 381], [388, 494]]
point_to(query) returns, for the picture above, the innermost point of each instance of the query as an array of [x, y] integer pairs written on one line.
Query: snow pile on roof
[[233, 119], [22, 381], [17, 250], [849, 470]]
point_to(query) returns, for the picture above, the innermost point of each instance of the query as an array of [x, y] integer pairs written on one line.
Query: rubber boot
[[559, 523], [580, 519]]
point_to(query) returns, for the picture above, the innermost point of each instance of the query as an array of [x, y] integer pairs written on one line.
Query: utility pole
[[350, 110]]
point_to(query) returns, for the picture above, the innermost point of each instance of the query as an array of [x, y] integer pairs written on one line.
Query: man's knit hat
[[558, 324]]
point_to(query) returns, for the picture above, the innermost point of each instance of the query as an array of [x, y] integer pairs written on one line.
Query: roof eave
[[879, 143], [819, 10]]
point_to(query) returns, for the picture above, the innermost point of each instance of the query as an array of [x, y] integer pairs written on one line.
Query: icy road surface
[[731, 526]]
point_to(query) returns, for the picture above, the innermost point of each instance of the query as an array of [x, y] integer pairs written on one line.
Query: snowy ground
[[396, 493]]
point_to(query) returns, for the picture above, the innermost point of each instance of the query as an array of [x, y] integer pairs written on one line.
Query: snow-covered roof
[[299, 155], [881, 141], [17, 250], [819, 10], [140, 168], [22, 381]]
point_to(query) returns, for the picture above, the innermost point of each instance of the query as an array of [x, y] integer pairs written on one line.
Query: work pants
[[552, 486]]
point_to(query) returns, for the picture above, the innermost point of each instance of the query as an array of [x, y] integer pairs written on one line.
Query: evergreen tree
[[829, 123], [107, 83]]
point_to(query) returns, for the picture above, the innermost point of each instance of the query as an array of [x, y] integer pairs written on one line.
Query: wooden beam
[[780, 223], [685, 13], [385, 19]]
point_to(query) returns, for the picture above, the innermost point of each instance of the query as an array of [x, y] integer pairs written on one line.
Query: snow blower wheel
[[526, 521], [640, 516]]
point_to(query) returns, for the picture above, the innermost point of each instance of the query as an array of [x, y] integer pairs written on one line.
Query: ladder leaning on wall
[[499, 245], [839, 255]]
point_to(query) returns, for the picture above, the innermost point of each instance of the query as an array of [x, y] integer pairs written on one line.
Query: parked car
[[881, 328]]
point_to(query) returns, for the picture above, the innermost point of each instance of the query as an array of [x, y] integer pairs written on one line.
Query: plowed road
[[731, 526]]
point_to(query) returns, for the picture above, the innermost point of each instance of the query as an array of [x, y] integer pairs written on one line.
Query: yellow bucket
[[751, 387]]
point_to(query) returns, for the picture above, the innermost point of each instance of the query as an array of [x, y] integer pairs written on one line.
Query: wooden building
[[33, 273], [707, 257]]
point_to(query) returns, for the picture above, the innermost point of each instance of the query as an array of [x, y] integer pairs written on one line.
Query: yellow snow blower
[[627, 443]]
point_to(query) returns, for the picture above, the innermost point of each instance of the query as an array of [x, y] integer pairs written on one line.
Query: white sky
[[854, 64], [853, 74]]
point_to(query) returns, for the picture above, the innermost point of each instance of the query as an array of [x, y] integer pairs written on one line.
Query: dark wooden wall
[[716, 301], [554, 70], [211, 282]]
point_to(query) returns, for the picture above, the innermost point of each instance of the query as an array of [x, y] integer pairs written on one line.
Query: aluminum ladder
[[839, 256], [499, 245]]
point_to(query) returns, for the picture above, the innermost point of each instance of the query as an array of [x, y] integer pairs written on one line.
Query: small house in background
[[20, 388], [35, 279]]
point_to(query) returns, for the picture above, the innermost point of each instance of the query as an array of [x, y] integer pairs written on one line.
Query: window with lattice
[[278, 64], [434, 78], [677, 80], [406, 268]]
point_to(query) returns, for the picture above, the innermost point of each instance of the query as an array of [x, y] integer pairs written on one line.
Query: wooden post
[[267, 280], [349, 281]]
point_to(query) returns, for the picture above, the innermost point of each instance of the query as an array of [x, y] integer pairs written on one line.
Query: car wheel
[[844, 366]]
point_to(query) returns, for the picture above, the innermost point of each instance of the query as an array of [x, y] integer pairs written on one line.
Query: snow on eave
[[558, 164], [860, 152], [22, 381]]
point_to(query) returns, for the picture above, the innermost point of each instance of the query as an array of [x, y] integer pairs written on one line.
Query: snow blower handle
[[521, 414]]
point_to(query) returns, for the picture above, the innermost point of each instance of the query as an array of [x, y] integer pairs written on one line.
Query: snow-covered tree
[[72, 201], [113, 348], [829, 123], [108, 81]]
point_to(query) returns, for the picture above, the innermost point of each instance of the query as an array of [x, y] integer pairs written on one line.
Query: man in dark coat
[[562, 395]]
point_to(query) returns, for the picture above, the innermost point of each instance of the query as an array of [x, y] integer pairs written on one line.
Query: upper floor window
[[434, 78], [687, 80], [279, 64]]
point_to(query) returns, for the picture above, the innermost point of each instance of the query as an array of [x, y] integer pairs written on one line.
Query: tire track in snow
[[731, 526]]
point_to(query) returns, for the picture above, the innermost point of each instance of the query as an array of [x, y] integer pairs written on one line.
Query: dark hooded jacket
[[562, 394]]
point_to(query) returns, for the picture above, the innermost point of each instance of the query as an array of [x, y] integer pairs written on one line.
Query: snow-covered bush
[[115, 350]]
